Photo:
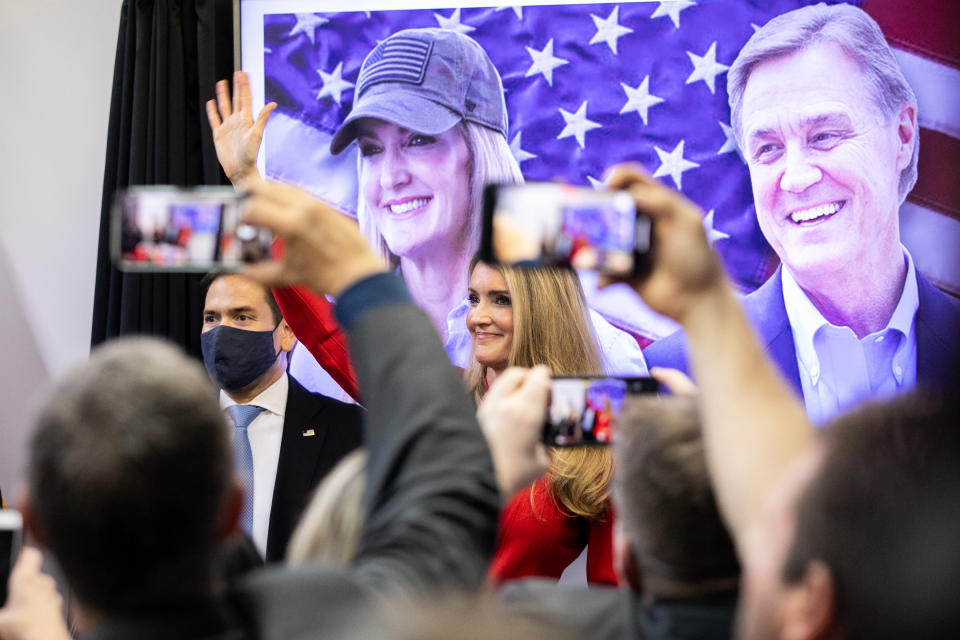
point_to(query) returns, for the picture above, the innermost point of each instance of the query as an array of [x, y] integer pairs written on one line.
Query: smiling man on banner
[[828, 126]]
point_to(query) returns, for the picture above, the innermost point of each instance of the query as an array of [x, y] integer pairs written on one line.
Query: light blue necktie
[[243, 415]]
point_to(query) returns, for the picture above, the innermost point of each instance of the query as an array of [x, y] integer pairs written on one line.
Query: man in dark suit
[[294, 437], [828, 127]]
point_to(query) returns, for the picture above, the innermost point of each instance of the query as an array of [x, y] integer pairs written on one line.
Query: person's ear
[[287, 339], [231, 512], [906, 135], [31, 524], [625, 561], [809, 607]]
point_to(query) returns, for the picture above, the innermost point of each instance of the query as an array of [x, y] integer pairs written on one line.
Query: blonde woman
[[524, 317]]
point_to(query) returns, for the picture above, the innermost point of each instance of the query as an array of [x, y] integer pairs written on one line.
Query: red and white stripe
[[923, 34]]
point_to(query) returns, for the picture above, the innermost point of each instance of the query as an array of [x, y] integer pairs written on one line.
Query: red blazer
[[542, 540], [311, 318]]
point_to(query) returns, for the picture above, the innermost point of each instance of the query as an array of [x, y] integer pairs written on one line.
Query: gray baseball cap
[[426, 80]]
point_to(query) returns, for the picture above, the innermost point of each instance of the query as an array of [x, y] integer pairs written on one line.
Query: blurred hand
[[684, 265], [511, 416], [675, 380], [34, 607], [236, 136], [322, 248], [511, 243]]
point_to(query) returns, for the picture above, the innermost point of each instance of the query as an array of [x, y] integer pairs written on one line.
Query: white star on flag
[[730, 144], [516, 10], [333, 83], [673, 164], [609, 30], [577, 124], [639, 99], [544, 62], [713, 234], [706, 67], [518, 152], [453, 22], [307, 24], [672, 8], [596, 184]]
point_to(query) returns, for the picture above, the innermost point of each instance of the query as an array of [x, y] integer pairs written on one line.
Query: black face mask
[[236, 357]]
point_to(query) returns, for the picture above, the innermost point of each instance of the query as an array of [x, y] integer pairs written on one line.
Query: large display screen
[[587, 85]]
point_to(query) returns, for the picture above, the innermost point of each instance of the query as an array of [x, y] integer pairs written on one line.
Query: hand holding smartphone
[[557, 224], [586, 410]]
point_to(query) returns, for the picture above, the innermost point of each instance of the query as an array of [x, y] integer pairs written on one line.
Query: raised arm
[[753, 424], [236, 135], [432, 498]]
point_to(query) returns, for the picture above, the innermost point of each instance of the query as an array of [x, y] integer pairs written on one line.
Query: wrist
[[707, 307], [351, 275], [245, 180]]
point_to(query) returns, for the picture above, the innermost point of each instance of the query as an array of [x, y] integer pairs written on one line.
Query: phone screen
[[561, 224], [10, 528], [165, 228], [586, 410]]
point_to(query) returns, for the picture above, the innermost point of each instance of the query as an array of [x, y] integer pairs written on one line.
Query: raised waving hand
[[236, 135]]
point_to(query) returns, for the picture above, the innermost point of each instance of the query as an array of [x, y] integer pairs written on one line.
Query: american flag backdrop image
[[586, 86]]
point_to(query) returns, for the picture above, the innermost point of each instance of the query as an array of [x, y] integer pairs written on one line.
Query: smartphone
[[11, 534], [558, 224], [586, 410], [162, 228]]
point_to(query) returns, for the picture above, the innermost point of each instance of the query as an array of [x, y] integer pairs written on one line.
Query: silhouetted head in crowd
[[860, 539], [130, 478], [673, 542]]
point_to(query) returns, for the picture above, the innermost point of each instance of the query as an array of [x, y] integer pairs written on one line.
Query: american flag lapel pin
[[307, 433]]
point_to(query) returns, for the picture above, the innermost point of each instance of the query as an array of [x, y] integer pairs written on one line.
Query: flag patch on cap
[[397, 59]]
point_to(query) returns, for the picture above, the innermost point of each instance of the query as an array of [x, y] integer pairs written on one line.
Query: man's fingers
[[269, 273], [675, 380], [242, 93], [212, 116], [622, 176], [261, 122], [536, 386], [28, 562], [223, 99], [506, 383]]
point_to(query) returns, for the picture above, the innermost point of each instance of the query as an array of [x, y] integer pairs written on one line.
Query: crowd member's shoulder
[[595, 612], [302, 603]]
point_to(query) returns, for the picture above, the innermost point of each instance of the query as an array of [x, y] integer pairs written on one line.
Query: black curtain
[[170, 53]]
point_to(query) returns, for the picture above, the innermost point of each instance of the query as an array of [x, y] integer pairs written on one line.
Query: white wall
[[56, 69]]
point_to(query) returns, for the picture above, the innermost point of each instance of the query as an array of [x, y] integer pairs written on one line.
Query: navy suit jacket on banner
[[937, 323]]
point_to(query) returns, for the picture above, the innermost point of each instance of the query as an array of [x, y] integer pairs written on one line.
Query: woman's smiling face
[[416, 186], [490, 319]]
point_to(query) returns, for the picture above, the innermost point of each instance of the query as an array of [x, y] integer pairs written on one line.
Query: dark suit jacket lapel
[[768, 313], [938, 337], [299, 457]]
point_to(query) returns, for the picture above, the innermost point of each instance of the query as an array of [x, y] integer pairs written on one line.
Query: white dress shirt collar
[[273, 398], [816, 339]]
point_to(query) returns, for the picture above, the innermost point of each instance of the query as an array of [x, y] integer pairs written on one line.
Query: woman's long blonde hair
[[551, 325]]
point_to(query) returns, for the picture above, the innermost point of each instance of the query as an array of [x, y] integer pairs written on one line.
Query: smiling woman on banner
[[430, 122]]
